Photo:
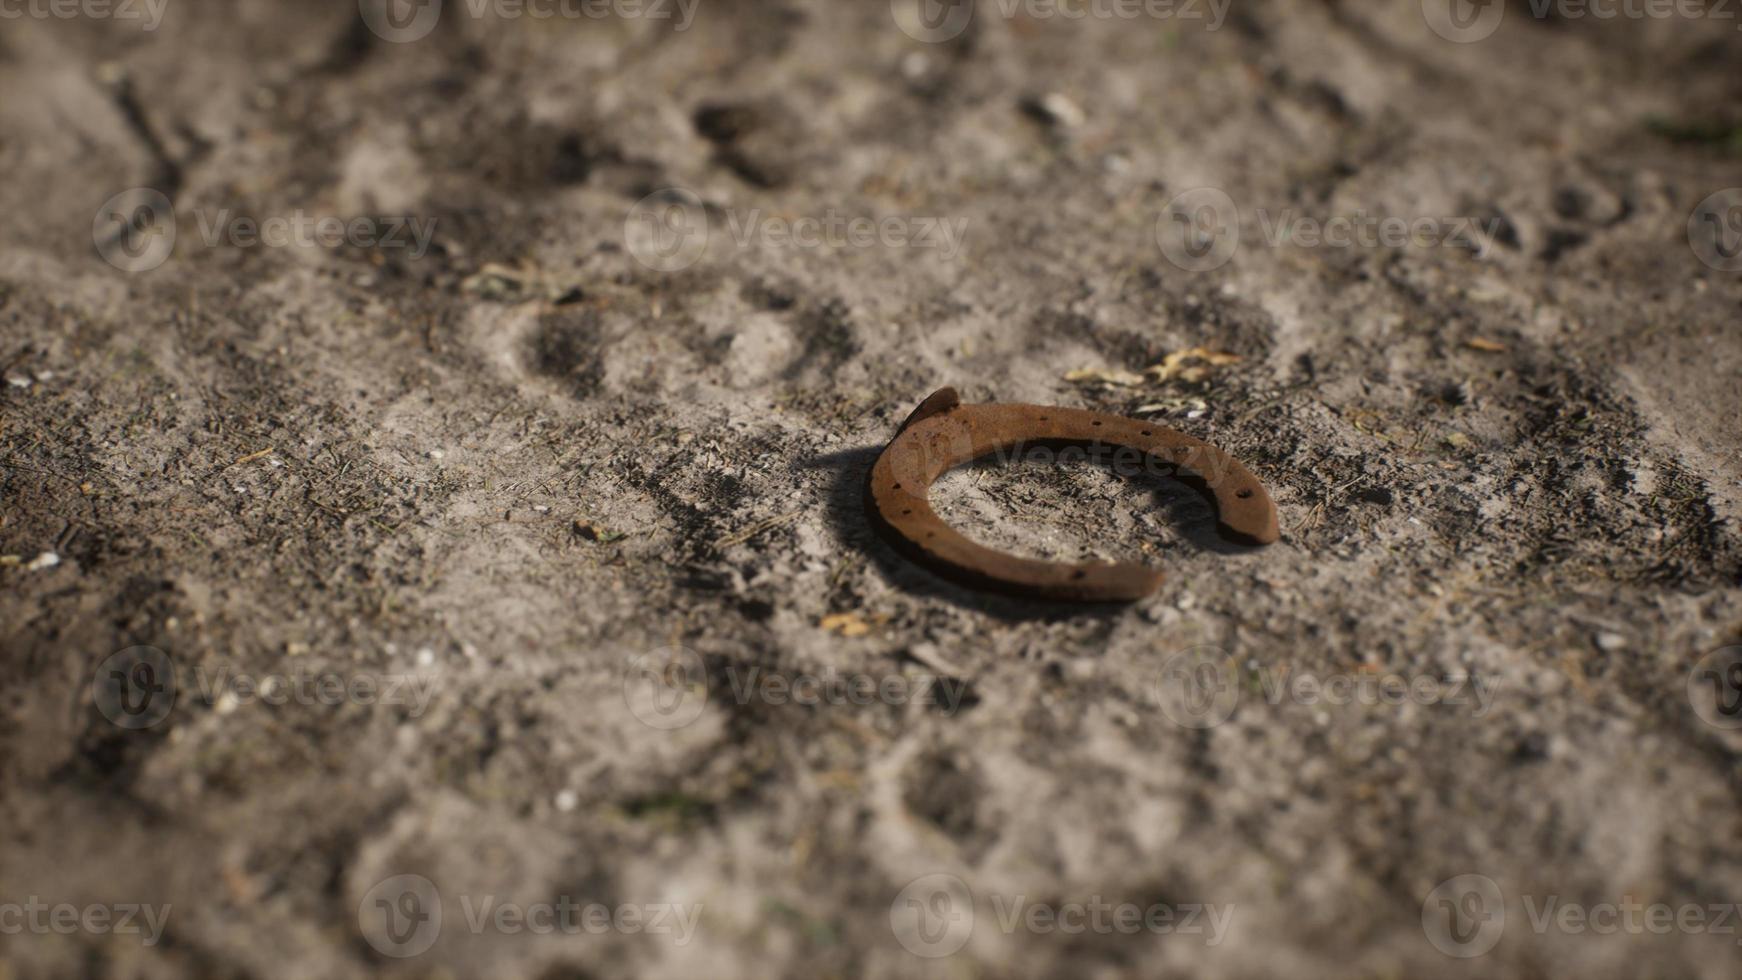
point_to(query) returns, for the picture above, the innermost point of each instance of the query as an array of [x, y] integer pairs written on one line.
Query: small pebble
[[43, 562], [1610, 642], [1533, 747], [567, 800], [1059, 110]]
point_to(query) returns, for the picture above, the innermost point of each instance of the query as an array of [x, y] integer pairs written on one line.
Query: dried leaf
[[846, 624], [1175, 365], [1109, 376], [1189, 407]]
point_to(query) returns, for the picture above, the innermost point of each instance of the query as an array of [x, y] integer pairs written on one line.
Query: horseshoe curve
[[943, 433]]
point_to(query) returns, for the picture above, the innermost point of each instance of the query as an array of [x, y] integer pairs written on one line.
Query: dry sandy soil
[[421, 534]]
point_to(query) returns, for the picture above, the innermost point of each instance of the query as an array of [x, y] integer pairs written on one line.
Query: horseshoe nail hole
[[1096, 422], [1243, 494], [907, 512], [897, 487], [1079, 573], [1043, 418], [1148, 432]]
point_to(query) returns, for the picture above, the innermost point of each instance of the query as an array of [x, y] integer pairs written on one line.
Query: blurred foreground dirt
[[516, 470]]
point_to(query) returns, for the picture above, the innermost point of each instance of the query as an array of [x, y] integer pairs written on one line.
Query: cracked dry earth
[[515, 475]]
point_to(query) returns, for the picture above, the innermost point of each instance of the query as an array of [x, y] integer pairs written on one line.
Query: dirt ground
[[528, 561]]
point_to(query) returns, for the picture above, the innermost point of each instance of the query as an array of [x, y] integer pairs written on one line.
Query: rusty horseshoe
[[943, 433]]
